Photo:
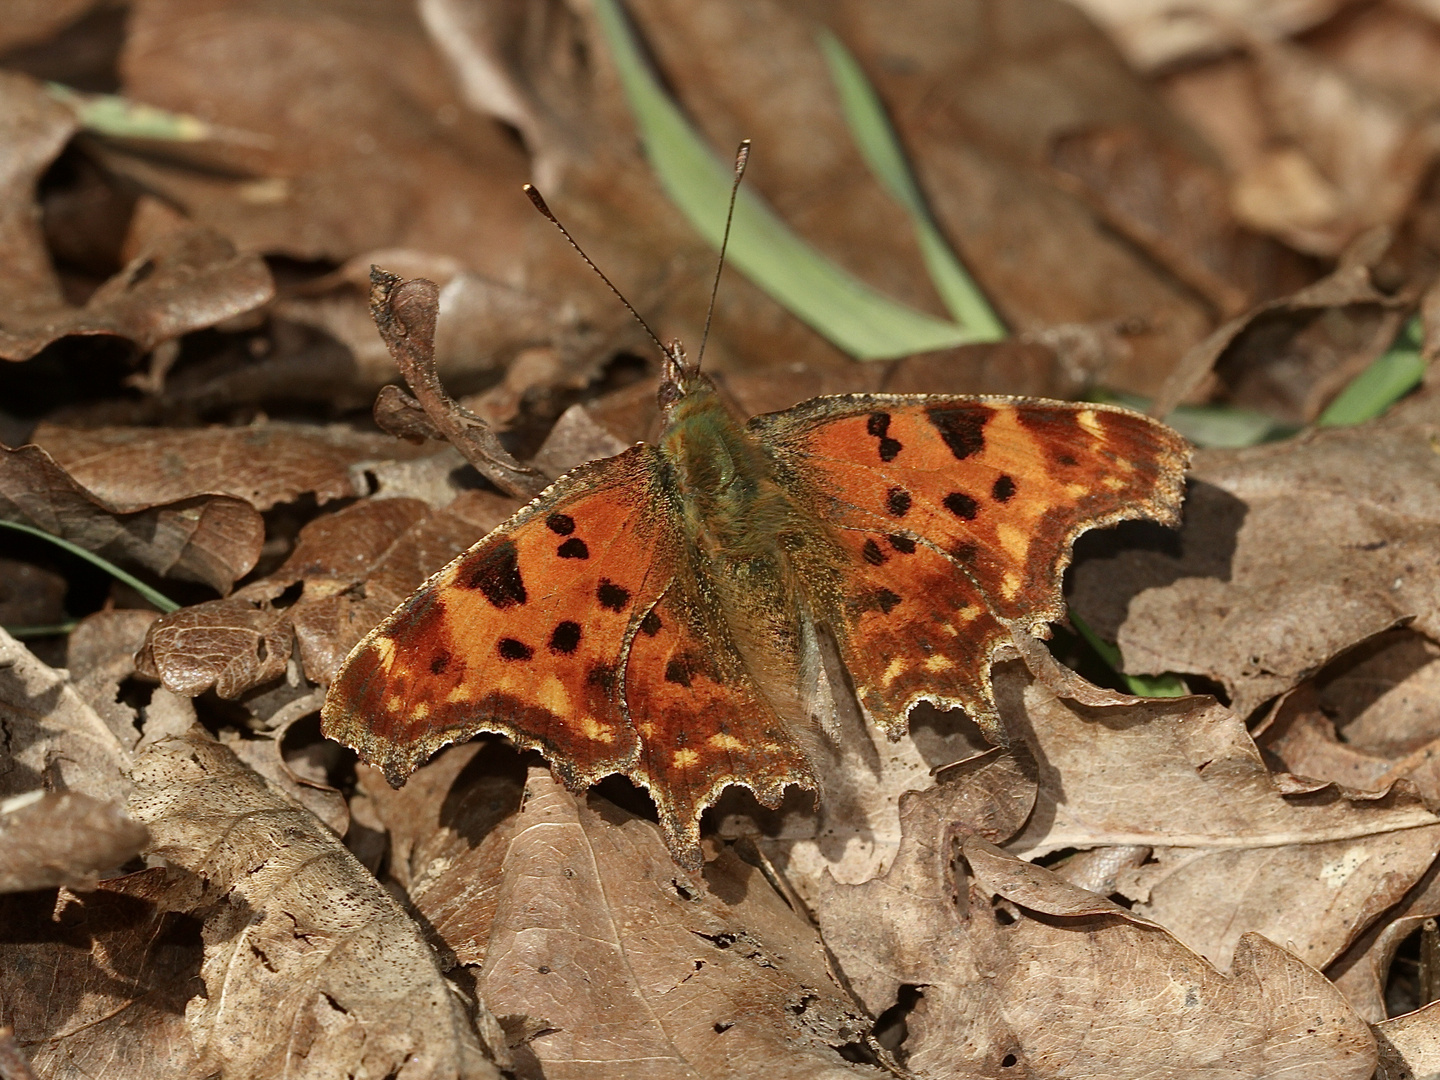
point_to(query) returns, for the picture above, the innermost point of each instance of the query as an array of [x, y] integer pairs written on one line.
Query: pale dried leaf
[[52, 738], [49, 839], [619, 964], [1232, 852], [1336, 541], [300, 935]]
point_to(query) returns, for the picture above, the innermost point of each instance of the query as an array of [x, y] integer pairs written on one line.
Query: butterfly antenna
[[539, 202], [742, 157]]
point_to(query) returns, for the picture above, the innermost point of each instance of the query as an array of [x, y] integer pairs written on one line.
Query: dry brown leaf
[[1231, 853], [1409, 1045], [96, 985], [1155, 33], [30, 595], [100, 656], [214, 539], [1331, 539], [49, 839], [302, 938], [355, 565], [448, 831], [51, 737], [1010, 986], [264, 463], [609, 961]]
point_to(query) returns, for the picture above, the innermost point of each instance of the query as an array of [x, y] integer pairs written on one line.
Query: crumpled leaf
[[1233, 851], [119, 966], [611, 960], [1409, 1045], [356, 565], [1331, 539], [264, 464], [51, 737], [49, 839], [100, 656], [1009, 986], [213, 539], [297, 932]]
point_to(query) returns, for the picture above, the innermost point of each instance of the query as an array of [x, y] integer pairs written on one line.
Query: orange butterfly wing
[[577, 628], [524, 634], [958, 515]]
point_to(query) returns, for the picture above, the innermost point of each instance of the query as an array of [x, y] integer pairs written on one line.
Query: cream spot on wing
[[893, 670], [1010, 584], [392, 703], [683, 759], [384, 650], [1076, 490], [725, 741], [552, 694], [458, 694], [965, 616], [938, 663], [1087, 419], [1014, 542], [594, 730], [1114, 483], [420, 710]]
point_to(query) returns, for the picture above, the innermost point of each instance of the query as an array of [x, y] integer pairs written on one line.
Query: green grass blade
[[876, 138], [1139, 685], [1393, 374], [1212, 426], [109, 114], [838, 305], [159, 599], [21, 633]]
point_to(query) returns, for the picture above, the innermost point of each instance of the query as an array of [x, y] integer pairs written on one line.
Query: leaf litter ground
[[1232, 213]]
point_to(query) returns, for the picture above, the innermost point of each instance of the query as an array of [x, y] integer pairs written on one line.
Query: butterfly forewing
[[1001, 485], [524, 634], [957, 517]]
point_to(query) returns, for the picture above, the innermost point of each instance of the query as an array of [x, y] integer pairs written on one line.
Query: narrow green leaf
[[878, 143], [1213, 426], [1140, 685], [1390, 377], [838, 305], [110, 114], [157, 598]]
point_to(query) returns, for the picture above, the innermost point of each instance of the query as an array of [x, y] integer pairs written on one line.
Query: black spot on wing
[[902, 543], [574, 548], [965, 551], [962, 427], [878, 425], [897, 501], [872, 554], [678, 671], [961, 505], [885, 600], [565, 638], [612, 597], [510, 649], [1004, 489], [650, 624], [439, 662], [560, 524], [496, 573]]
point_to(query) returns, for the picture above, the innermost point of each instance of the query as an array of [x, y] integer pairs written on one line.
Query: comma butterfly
[[665, 613]]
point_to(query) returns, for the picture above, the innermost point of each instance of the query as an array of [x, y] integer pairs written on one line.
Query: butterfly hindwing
[[702, 720], [958, 515], [524, 634]]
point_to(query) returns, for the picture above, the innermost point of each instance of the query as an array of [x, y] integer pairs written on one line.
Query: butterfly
[[666, 613]]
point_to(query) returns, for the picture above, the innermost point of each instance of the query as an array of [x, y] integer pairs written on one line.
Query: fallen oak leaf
[[315, 958]]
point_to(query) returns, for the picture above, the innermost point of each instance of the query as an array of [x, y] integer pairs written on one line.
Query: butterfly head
[[679, 377]]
